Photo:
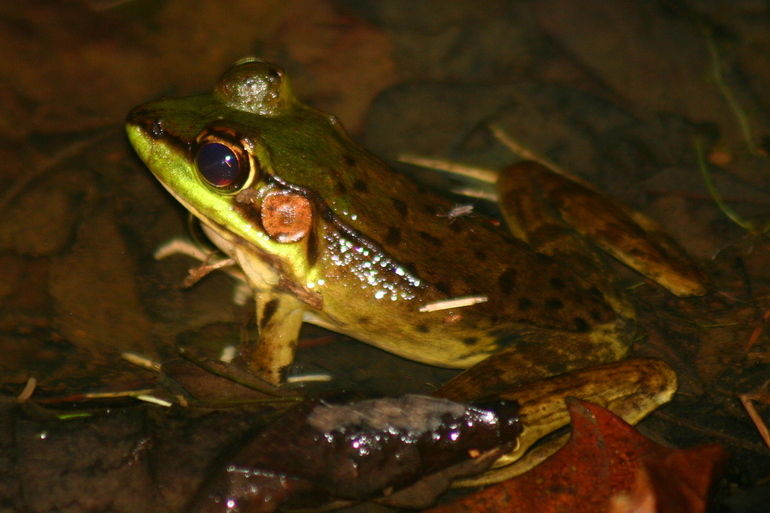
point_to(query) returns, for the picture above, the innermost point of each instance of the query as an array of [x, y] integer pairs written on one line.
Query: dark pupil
[[218, 164]]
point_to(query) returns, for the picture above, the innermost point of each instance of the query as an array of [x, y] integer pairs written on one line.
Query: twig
[[154, 400], [758, 422], [757, 332], [477, 173], [524, 152], [141, 361], [29, 389], [724, 207], [457, 302], [727, 93]]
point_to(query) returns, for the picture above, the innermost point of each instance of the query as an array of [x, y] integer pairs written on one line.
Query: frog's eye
[[221, 166]]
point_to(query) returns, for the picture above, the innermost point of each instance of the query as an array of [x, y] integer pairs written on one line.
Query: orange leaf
[[606, 466]]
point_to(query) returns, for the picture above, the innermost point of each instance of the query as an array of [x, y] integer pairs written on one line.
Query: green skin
[[377, 248]]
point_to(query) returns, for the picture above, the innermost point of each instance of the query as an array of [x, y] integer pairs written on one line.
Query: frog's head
[[250, 161]]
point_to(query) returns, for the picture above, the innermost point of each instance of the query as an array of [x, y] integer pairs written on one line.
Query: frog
[[327, 233]]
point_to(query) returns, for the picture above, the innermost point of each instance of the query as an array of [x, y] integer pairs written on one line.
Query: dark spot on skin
[[410, 268], [469, 341], [364, 320], [508, 339], [554, 304], [341, 189], [557, 283], [312, 248], [269, 311], [479, 254], [360, 186], [444, 287], [284, 372], [350, 161], [557, 368], [507, 281], [596, 315], [581, 326], [422, 328], [431, 239], [393, 237], [596, 295], [251, 213], [400, 207], [525, 304]]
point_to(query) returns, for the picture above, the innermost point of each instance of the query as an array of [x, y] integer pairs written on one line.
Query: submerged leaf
[[318, 453]]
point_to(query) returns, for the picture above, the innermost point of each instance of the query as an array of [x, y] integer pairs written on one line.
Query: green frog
[[327, 233]]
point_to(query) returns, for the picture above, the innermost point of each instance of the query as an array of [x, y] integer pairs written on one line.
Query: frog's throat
[[267, 274], [263, 271]]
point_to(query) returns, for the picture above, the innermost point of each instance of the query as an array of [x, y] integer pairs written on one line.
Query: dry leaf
[[606, 466]]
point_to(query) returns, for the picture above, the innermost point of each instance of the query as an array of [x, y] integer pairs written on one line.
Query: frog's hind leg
[[536, 354], [631, 389], [529, 192], [531, 217]]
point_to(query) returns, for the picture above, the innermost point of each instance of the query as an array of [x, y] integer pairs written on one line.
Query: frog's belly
[[539, 351]]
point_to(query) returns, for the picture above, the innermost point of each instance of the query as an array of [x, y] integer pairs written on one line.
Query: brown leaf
[[319, 452], [606, 466]]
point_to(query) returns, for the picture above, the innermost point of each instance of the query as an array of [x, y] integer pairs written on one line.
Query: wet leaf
[[319, 453]]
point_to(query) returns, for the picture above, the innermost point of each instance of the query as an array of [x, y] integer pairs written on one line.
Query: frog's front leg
[[280, 305], [279, 319]]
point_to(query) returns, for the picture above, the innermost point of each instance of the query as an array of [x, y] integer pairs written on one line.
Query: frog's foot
[[182, 246], [631, 389]]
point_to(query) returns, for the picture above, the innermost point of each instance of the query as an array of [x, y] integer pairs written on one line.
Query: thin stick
[[154, 400], [524, 152], [727, 93], [724, 207], [755, 334], [458, 302], [141, 361], [477, 173], [758, 422], [29, 389]]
